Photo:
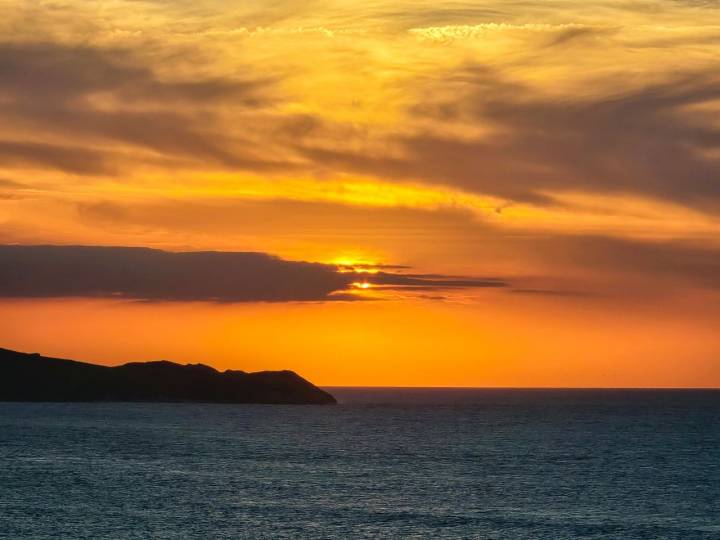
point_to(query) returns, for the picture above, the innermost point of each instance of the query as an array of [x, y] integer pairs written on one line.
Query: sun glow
[[356, 265], [352, 261], [357, 270]]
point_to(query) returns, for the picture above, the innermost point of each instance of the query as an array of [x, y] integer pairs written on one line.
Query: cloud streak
[[155, 275], [106, 102], [653, 141]]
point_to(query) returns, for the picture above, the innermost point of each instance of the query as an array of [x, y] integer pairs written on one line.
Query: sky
[[425, 193]]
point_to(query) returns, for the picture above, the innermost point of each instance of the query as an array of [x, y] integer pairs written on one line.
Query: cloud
[[586, 266], [575, 33], [552, 292], [657, 140], [474, 31], [53, 75], [10, 190], [150, 274], [434, 281], [680, 264], [11, 184], [73, 159], [557, 258], [52, 271], [105, 100]]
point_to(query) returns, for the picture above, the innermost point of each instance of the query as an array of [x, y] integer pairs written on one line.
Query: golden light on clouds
[[546, 156]]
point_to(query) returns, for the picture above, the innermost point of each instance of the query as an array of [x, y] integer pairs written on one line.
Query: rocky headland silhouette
[[32, 377]]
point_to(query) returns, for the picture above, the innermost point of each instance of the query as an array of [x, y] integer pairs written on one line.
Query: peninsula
[[32, 377]]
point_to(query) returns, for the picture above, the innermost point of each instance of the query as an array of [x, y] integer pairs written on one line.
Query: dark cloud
[[600, 266], [49, 89], [55, 271], [150, 274], [73, 159], [654, 141], [52, 75], [678, 263]]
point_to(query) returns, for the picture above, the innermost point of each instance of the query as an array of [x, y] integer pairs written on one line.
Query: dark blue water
[[486, 464]]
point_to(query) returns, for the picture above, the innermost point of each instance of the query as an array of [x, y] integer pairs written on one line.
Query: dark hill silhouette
[[32, 377]]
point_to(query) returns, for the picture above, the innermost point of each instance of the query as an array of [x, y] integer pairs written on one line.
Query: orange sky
[[541, 182]]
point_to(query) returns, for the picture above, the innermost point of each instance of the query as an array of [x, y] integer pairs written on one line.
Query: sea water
[[384, 463]]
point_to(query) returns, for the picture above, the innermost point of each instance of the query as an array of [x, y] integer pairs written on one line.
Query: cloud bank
[[155, 275]]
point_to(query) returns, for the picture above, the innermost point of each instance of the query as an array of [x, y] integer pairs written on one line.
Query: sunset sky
[[424, 193]]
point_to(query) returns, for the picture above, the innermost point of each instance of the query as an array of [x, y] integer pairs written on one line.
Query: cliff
[[31, 377]]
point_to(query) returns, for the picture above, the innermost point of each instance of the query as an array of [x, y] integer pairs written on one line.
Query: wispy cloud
[[467, 31], [654, 140], [108, 104]]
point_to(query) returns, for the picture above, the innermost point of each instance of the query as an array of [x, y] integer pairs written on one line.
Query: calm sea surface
[[516, 464]]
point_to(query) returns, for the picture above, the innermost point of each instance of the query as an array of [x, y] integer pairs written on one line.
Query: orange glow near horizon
[[523, 344]]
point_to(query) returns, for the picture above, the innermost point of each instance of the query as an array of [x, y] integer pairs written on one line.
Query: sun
[[362, 285], [355, 265], [351, 260]]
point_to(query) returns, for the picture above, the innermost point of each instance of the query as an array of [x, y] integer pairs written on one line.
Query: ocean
[[384, 463]]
